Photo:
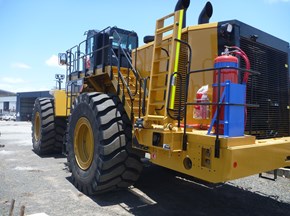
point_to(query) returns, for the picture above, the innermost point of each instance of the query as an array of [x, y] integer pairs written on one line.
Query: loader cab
[[108, 47]]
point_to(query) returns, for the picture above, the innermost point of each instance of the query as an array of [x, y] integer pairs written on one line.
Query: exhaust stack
[[205, 14], [182, 4]]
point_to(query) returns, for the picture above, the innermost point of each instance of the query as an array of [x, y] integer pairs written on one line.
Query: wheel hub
[[83, 143], [37, 127]]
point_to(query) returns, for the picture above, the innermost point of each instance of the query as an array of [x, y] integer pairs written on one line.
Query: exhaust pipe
[[182, 4], [205, 14]]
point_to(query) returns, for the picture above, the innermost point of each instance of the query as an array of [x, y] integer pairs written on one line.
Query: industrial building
[[19, 104], [7, 102], [25, 103]]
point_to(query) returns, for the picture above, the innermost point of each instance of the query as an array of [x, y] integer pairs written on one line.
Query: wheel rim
[[83, 143], [37, 127]]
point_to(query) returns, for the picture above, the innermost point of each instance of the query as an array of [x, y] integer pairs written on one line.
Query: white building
[[7, 102]]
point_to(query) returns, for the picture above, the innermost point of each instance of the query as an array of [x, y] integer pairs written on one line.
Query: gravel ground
[[42, 185]]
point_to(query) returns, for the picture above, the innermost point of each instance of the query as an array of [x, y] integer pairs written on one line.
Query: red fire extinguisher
[[230, 74]]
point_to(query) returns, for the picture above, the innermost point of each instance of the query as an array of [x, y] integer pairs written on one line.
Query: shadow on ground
[[163, 192], [56, 155]]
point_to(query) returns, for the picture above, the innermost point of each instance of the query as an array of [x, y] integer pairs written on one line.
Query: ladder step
[[162, 59], [157, 103], [166, 17], [131, 77], [161, 88], [161, 73], [165, 29], [163, 45]]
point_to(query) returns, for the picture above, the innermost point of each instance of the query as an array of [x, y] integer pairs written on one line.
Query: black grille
[[182, 69], [270, 90]]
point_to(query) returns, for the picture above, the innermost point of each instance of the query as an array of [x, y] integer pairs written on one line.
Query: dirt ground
[[43, 185]]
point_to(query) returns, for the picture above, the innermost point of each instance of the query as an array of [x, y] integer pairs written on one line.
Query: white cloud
[[12, 80], [276, 1], [12, 84], [53, 62], [20, 65], [24, 87]]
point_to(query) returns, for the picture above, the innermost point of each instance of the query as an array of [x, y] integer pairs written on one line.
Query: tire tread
[[117, 165]]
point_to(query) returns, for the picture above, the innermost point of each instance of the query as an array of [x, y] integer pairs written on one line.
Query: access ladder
[[157, 105]]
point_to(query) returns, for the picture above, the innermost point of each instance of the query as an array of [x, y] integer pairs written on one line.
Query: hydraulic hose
[[241, 53]]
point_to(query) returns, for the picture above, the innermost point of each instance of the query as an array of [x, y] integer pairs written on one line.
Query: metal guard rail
[[217, 141]]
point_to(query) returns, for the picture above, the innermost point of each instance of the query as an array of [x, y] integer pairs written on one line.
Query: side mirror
[[62, 58]]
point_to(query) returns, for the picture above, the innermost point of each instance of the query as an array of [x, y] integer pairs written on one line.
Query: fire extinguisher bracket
[[233, 101]]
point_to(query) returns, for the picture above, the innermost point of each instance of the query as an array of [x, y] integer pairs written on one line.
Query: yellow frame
[[60, 103], [239, 156]]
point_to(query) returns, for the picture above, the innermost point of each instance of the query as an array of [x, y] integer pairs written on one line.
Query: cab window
[[126, 41]]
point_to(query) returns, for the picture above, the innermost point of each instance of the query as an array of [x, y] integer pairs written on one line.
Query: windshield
[[126, 41]]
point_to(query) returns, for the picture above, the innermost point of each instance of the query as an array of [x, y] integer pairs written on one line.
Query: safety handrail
[[144, 95], [135, 73], [128, 58], [120, 75], [179, 101], [227, 67], [77, 55]]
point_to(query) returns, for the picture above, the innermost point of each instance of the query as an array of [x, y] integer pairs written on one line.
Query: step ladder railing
[[71, 65], [182, 87], [175, 74], [128, 59], [70, 96], [125, 81], [122, 79]]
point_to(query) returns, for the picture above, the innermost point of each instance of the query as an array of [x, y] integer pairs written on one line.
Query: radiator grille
[[270, 90]]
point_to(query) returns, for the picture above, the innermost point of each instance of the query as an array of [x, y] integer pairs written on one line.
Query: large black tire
[[60, 131], [111, 163], [46, 129]]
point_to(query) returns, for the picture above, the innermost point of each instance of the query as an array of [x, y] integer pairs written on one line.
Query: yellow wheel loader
[[209, 100]]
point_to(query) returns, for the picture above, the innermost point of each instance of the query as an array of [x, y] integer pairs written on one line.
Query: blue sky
[[33, 32]]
